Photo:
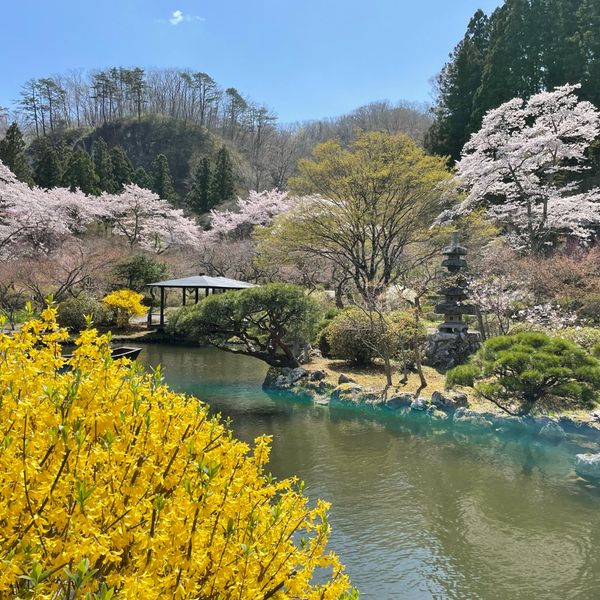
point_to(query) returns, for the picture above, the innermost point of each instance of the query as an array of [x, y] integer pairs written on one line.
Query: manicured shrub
[[516, 372], [112, 486], [124, 304], [350, 337], [323, 344], [72, 312], [464, 375], [358, 336]]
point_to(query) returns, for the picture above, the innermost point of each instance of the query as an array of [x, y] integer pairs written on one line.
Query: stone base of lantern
[[446, 350]]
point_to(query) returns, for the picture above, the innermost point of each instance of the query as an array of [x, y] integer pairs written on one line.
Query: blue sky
[[303, 58]]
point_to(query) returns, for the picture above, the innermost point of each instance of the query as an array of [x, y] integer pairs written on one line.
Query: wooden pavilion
[[209, 285]]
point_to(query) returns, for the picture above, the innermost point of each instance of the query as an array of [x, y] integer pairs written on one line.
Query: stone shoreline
[[451, 407]]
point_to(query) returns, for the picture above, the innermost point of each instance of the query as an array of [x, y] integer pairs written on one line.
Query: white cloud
[[177, 17]]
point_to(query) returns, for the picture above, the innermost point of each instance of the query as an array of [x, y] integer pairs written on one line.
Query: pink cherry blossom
[[259, 208], [34, 220], [145, 220], [517, 163]]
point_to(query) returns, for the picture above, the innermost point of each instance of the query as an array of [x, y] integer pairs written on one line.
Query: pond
[[418, 511]]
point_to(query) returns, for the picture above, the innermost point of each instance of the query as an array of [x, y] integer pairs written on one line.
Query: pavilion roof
[[203, 281]]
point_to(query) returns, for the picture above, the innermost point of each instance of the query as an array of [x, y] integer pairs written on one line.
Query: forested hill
[[184, 116], [184, 144], [523, 47]]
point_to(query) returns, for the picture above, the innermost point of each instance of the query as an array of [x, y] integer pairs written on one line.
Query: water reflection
[[420, 510]]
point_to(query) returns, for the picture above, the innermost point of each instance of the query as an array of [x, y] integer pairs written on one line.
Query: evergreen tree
[[222, 186], [63, 151], [12, 154], [121, 166], [162, 183], [589, 46], [48, 170], [103, 166], [80, 173], [511, 61], [457, 84], [142, 179], [525, 47], [558, 39], [199, 197]]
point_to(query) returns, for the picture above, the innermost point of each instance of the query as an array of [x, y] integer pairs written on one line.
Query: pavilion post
[[206, 292], [196, 295], [162, 306], [184, 295], [149, 316]]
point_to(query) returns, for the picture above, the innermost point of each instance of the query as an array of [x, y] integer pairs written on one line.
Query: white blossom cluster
[[522, 166], [549, 316], [34, 219], [258, 209]]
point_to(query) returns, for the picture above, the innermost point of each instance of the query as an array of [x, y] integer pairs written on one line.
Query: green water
[[419, 511]]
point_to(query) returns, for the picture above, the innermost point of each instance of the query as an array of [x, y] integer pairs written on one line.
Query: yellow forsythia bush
[[113, 486], [125, 304]]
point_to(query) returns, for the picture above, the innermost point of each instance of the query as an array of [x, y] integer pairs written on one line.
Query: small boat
[[125, 352], [119, 352]]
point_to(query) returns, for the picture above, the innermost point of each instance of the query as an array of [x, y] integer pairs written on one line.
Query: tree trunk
[[388, 370], [418, 363]]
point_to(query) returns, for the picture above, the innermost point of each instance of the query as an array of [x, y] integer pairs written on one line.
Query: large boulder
[[272, 378], [283, 377], [595, 416], [419, 405], [295, 375], [317, 375], [506, 421], [399, 401], [449, 401], [588, 465], [436, 413], [347, 392], [345, 379]]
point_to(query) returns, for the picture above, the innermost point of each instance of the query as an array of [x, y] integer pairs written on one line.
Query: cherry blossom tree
[[148, 222], [228, 247], [498, 301], [258, 209], [34, 220], [523, 163]]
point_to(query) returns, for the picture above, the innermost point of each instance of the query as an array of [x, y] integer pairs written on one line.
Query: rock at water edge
[[588, 465]]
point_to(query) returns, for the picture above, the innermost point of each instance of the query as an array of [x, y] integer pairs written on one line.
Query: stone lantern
[[452, 343]]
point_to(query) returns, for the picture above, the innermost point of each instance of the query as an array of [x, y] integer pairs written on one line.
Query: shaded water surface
[[418, 511]]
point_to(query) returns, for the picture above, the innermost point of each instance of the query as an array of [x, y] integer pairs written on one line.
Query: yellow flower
[[125, 304], [110, 482]]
